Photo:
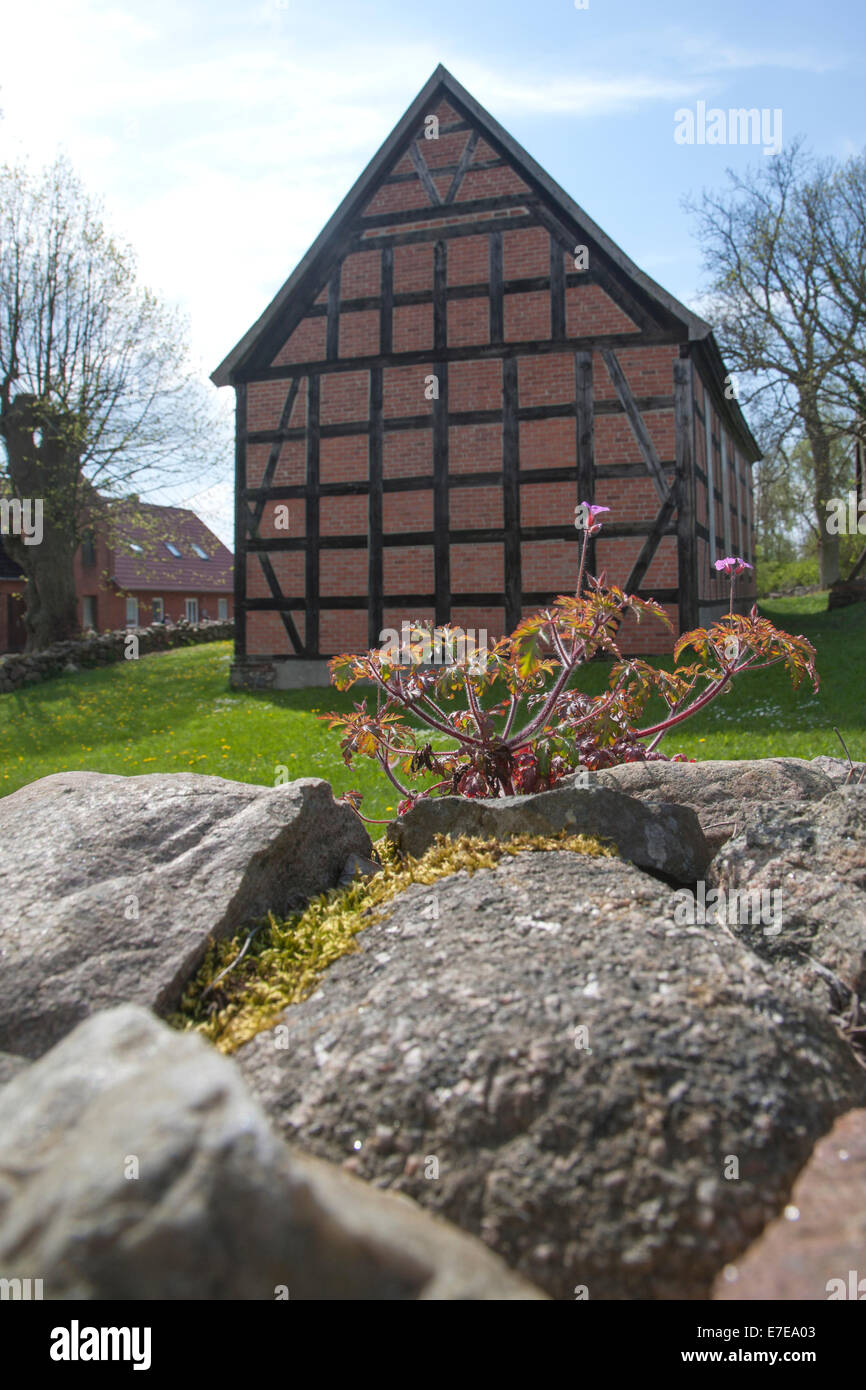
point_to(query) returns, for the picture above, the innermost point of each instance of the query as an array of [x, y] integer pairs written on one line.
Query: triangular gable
[[479, 170], [312, 273], [478, 140]]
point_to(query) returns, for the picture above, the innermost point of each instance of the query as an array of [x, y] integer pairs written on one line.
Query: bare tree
[[96, 392], [785, 248]]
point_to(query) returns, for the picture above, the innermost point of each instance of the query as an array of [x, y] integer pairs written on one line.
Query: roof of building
[[311, 273], [142, 559]]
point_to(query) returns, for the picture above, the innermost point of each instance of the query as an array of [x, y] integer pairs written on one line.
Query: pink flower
[[585, 515], [732, 565]]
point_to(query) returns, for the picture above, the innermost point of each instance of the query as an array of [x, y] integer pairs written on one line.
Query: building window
[[223, 609], [88, 549], [158, 611], [192, 610], [202, 554], [172, 550], [88, 614], [132, 612]]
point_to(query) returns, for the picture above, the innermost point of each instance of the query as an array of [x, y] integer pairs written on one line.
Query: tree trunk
[[48, 473], [828, 544], [829, 564]]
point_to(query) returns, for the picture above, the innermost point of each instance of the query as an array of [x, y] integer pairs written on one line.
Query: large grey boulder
[[723, 793], [664, 838], [541, 1054], [135, 1165], [111, 886], [811, 861]]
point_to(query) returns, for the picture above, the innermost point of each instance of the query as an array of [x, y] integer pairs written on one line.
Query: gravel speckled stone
[[539, 1053]]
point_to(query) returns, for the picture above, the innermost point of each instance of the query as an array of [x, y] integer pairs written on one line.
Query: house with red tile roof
[[144, 564]]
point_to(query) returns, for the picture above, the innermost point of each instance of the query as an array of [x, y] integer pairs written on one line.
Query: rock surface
[[10, 1066], [839, 769], [446, 1060], [135, 1165], [111, 886], [814, 858], [821, 1237], [664, 838], [723, 794]]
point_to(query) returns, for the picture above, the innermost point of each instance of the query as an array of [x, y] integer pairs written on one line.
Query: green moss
[[285, 958]]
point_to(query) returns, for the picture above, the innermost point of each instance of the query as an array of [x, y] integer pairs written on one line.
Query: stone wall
[[610, 1063], [29, 668]]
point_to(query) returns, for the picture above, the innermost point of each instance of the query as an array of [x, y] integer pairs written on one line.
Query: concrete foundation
[[268, 673], [301, 675]]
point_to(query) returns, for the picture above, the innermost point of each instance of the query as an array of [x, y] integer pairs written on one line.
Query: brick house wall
[[440, 383]]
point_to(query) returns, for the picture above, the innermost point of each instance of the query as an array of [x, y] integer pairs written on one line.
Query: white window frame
[[223, 610], [131, 611], [158, 617], [191, 610]]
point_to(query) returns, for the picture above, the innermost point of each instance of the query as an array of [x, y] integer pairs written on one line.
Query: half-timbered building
[[462, 357]]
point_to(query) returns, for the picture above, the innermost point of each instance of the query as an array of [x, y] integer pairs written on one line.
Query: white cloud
[[579, 96], [710, 53]]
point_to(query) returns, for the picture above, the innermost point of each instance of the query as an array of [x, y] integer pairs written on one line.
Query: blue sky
[[222, 135]]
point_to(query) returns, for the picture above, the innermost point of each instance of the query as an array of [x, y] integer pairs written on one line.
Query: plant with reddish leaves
[[545, 728]]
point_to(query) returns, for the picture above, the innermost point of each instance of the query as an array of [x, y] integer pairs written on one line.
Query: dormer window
[[202, 554], [172, 550]]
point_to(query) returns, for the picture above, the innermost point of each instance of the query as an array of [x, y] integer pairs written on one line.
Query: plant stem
[[693, 708], [473, 704], [386, 768], [510, 719], [583, 550], [541, 719], [410, 703]]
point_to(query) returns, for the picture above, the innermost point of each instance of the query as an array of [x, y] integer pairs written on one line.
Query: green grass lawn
[[173, 712]]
